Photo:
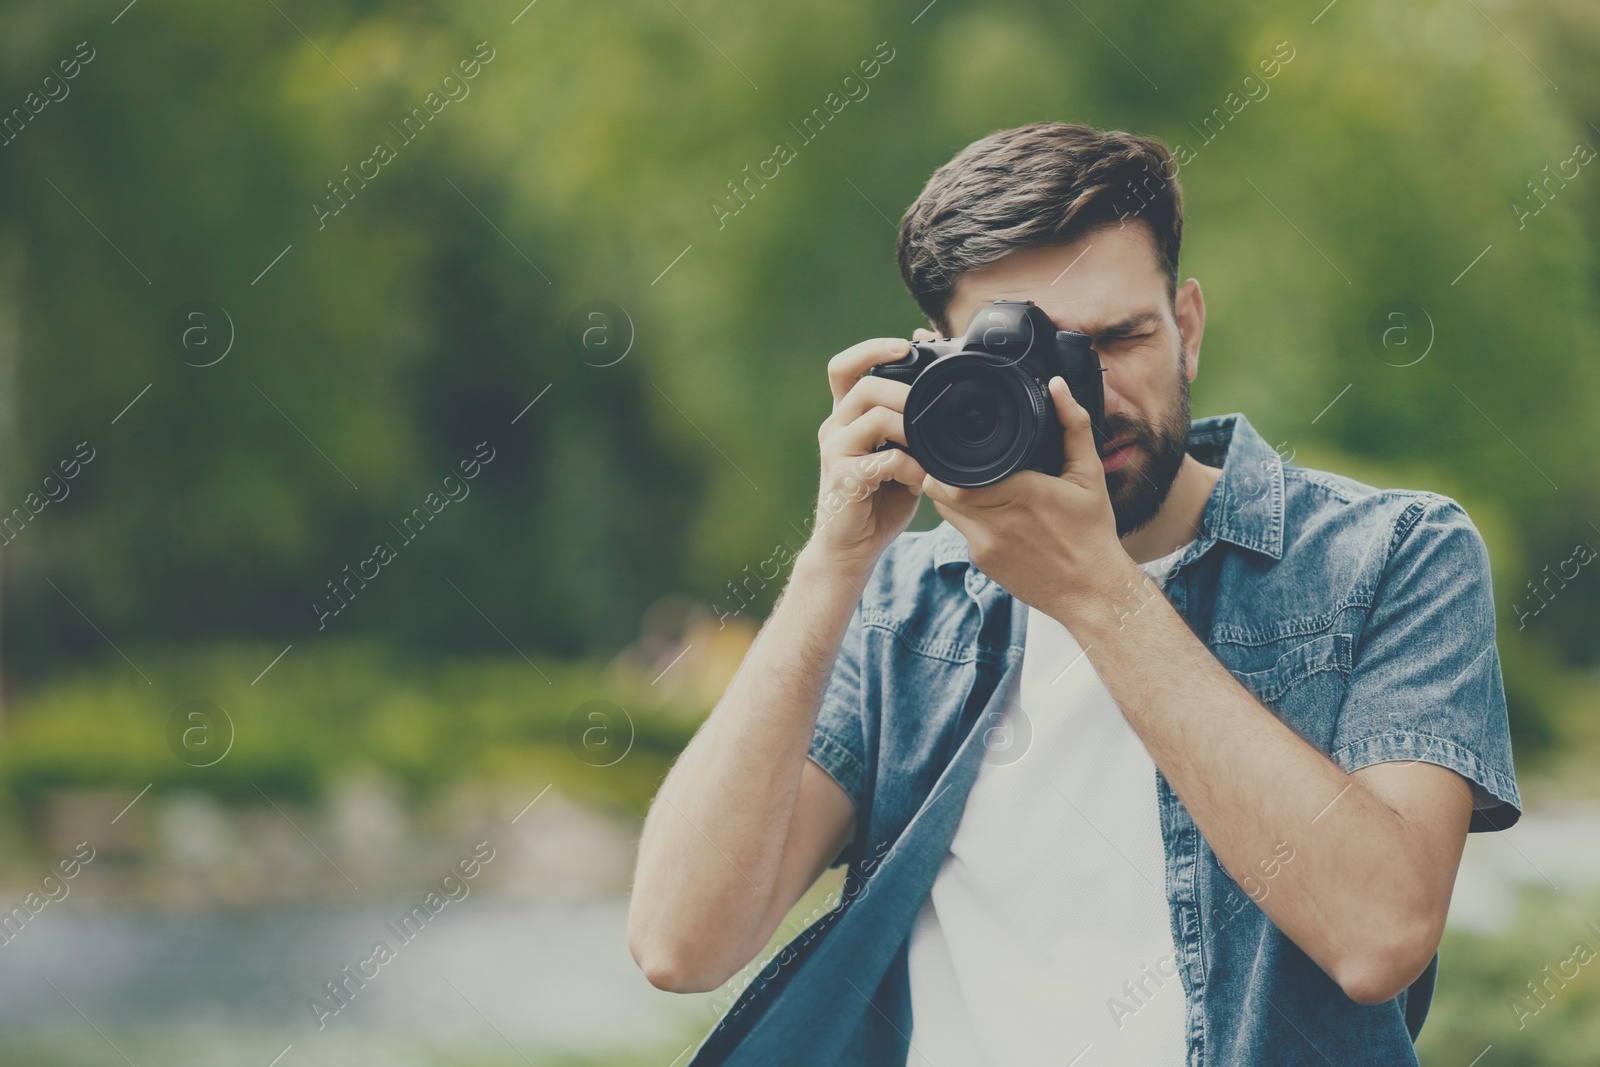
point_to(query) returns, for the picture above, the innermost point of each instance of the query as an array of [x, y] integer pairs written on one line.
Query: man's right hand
[[866, 498]]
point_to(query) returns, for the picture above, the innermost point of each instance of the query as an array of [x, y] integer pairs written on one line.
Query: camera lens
[[973, 419], [971, 415]]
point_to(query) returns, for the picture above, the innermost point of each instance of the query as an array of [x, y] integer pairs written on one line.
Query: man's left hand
[[1046, 540]]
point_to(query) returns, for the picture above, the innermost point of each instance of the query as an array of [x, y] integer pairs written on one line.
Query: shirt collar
[[1246, 508]]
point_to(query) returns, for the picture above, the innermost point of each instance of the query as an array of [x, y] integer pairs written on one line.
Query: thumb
[[1083, 459]]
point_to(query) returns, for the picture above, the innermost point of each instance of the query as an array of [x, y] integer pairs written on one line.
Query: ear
[[1189, 309]]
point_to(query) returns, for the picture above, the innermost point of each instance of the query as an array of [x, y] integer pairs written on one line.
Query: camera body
[[979, 409]]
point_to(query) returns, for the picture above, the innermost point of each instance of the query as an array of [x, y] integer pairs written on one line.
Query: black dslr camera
[[980, 409]]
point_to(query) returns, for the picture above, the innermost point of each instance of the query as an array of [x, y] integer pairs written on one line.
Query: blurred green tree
[[585, 164]]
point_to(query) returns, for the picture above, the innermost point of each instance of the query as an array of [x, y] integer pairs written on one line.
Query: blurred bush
[[1486, 994], [335, 707]]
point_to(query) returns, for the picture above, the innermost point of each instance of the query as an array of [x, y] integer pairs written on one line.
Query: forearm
[[1257, 790], [713, 840]]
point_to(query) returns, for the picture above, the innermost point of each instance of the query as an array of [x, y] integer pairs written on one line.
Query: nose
[[1115, 404]]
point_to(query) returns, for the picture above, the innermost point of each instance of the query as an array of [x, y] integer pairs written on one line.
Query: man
[[1167, 760]]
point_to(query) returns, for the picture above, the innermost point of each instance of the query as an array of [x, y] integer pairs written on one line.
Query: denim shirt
[[1363, 618]]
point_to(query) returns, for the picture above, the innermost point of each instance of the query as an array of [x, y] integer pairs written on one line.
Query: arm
[[1375, 851], [744, 822]]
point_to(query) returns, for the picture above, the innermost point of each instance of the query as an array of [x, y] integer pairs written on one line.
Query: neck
[[1178, 521]]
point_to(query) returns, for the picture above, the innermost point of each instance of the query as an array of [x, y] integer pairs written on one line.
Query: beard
[[1139, 489]]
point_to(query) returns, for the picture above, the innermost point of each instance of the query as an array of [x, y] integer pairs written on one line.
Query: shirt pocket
[[1293, 662], [1301, 678]]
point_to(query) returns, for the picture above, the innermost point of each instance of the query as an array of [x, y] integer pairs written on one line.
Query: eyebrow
[[1133, 324]]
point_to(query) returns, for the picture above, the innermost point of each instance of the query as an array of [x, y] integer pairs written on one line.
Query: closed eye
[[1135, 327], [1114, 339]]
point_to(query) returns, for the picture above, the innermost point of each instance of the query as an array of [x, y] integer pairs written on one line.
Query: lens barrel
[[973, 418]]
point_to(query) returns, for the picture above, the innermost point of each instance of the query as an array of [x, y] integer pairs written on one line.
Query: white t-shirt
[[1047, 937]]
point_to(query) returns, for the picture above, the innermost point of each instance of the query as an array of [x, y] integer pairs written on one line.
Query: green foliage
[[1483, 997], [589, 153], [325, 709]]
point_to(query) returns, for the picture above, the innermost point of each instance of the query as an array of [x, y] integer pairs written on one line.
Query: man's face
[[1109, 285]]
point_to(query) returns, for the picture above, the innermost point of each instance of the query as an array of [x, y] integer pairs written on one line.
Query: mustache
[[1126, 425]]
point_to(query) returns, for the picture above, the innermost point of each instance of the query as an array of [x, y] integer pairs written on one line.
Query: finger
[[874, 427], [869, 393], [923, 334], [973, 499], [1083, 458], [892, 465], [931, 488], [948, 495], [848, 366]]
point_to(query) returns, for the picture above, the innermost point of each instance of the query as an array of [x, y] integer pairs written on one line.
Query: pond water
[[543, 974]]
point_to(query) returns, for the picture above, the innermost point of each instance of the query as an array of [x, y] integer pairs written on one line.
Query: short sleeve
[[1425, 683], [838, 745]]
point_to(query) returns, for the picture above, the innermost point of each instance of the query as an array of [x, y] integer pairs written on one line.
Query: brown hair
[[1047, 183]]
